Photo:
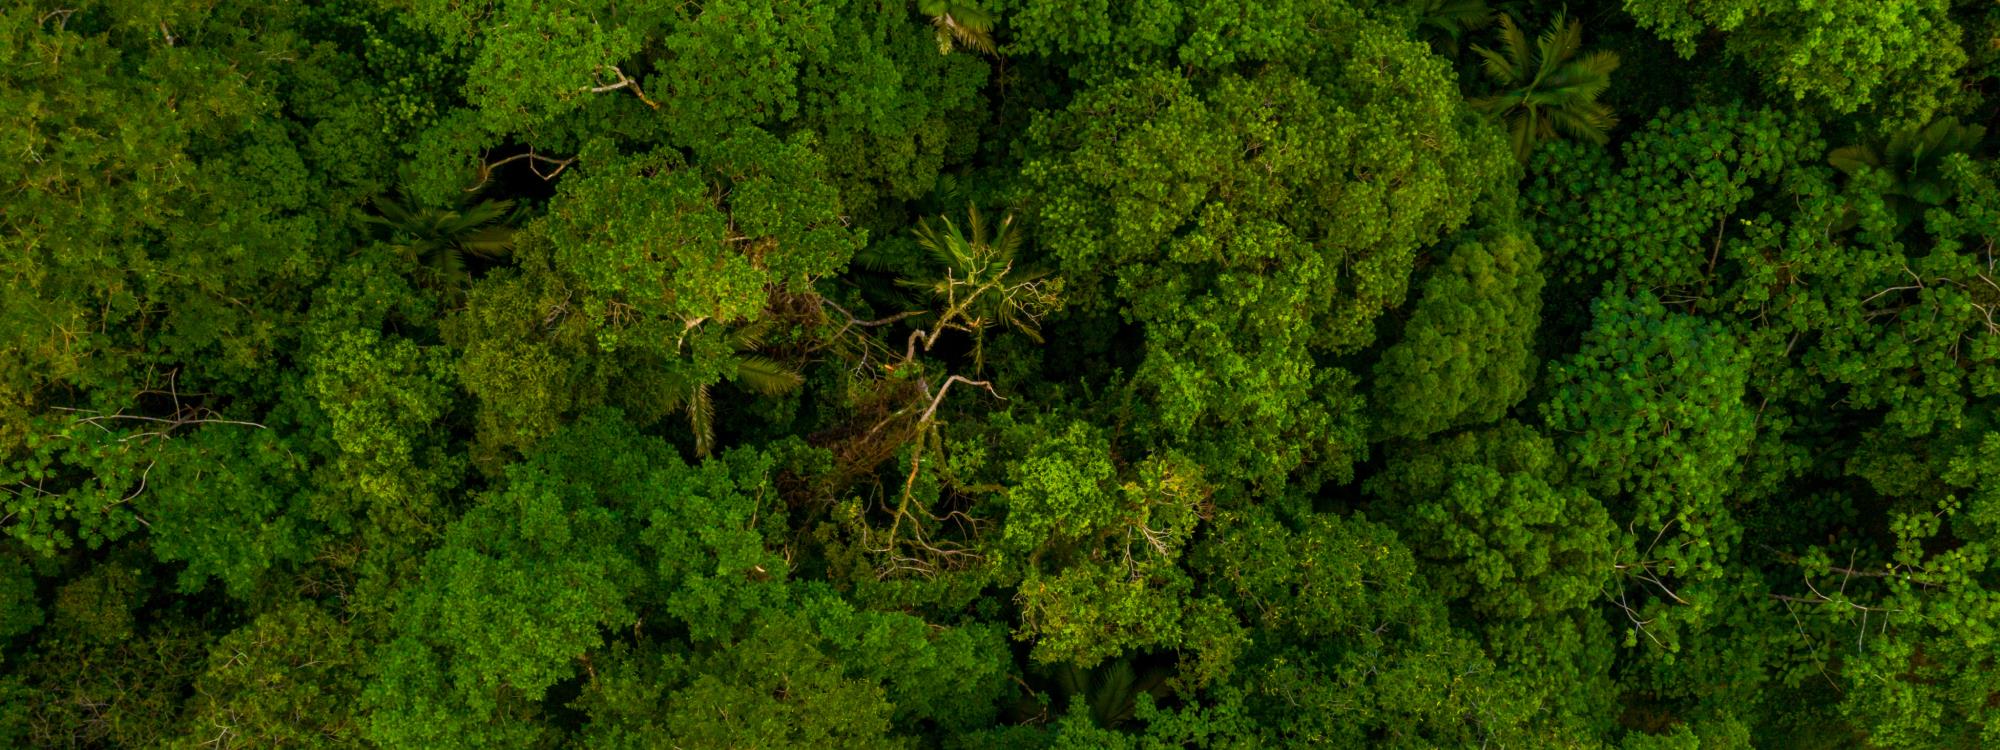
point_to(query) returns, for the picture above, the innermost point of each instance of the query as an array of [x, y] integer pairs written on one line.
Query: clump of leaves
[[1546, 89]]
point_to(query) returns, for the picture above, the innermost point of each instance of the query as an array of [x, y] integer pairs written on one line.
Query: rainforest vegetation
[[989, 374]]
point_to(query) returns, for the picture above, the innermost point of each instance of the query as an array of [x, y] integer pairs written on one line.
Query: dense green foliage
[[999, 374]]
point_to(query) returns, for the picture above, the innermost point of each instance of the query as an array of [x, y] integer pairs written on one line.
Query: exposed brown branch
[[939, 398], [623, 82], [171, 423], [486, 169], [1823, 599]]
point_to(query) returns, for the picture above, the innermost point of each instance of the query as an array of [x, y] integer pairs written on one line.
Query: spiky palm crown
[[959, 23], [1912, 164], [1546, 89], [1914, 158], [438, 239], [747, 368], [1451, 18], [971, 259]]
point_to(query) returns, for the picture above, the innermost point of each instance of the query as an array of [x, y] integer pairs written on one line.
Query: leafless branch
[[533, 159], [172, 424], [623, 82], [939, 398]]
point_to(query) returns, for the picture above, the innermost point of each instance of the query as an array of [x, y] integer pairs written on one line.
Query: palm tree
[[1547, 90], [959, 21], [750, 370], [437, 240], [981, 282], [1914, 160], [1111, 690], [1449, 20]]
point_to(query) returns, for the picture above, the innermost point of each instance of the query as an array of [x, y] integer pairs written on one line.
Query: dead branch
[[939, 398], [623, 82], [171, 424], [486, 168]]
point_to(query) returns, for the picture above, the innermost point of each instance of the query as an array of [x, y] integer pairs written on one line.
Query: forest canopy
[[995, 374]]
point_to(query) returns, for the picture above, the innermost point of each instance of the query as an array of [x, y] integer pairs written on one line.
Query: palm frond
[[975, 225], [960, 23], [1453, 17], [1008, 243], [1553, 94], [1600, 64], [438, 239], [766, 376], [947, 247], [489, 242], [979, 281], [701, 419], [1494, 104], [1557, 44], [1852, 159], [750, 337], [1913, 162], [1024, 325], [446, 264], [1498, 67], [1591, 122], [1515, 42], [1521, 135]]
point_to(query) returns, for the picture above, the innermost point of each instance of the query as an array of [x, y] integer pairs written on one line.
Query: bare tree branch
[[623, 82], [486, 169]]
